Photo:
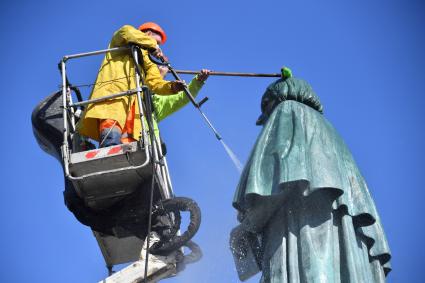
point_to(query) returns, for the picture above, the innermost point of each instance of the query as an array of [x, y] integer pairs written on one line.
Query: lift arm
[[136, 272]]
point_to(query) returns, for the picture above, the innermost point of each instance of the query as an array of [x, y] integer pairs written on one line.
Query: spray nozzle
[[286, 73]]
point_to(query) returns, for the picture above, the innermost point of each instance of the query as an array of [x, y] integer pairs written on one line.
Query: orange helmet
[[154, 27]]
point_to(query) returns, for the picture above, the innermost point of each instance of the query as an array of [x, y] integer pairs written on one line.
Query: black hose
[[77, 92], [157, 62], [147, 96], [74, 88], [195, 253], [194, 256], [176, 205]]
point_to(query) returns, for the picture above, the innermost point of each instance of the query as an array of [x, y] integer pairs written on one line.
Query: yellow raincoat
[[117, 74]]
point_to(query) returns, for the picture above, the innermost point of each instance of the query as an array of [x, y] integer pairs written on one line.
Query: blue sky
[[365, 60]]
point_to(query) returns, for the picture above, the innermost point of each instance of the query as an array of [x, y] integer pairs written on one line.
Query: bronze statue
[[305, 210]]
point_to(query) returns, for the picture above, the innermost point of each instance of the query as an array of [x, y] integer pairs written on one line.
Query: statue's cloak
[[304, 198]]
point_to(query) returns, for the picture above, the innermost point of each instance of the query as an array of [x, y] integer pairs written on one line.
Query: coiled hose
[[172, 241]]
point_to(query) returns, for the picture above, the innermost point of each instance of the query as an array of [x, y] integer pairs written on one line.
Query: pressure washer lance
[[188, 94], [232, 74], [285, 73]]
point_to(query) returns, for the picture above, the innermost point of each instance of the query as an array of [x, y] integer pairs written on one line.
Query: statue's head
[[289, 88]]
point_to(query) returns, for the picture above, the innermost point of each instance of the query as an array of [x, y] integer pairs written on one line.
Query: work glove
[[177, 86], [203, 75]]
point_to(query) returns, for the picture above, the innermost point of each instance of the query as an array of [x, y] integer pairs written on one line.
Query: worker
[[163, 106], [105, 121], [123, 113]]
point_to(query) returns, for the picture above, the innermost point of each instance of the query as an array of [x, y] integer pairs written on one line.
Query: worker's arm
[[128, 34], [164, 106], [154, 79]]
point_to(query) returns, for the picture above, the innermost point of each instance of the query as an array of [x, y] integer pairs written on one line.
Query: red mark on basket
[[114, 150], [91, 154]]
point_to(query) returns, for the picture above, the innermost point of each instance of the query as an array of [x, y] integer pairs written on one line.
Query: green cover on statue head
[[287, 89]]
